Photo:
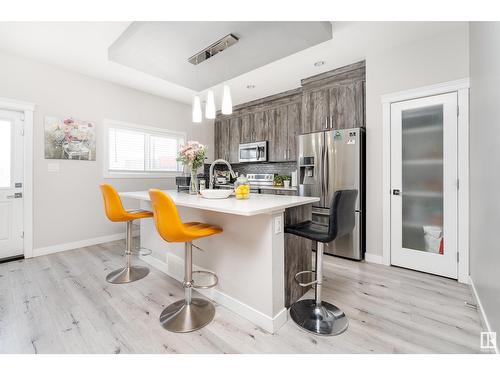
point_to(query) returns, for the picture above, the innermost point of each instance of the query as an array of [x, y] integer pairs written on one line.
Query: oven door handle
[[260, 153]]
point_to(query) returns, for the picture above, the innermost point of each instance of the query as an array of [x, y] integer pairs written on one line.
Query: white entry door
[[11, 184], [424, 184]]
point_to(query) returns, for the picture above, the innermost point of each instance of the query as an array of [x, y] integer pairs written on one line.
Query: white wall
[[68, 204], [485, 167], [428, 61]]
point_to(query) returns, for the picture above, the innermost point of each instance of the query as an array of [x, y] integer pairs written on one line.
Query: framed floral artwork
[[69, 139]]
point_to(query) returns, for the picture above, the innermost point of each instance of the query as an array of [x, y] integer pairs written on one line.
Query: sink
[[215, 193]]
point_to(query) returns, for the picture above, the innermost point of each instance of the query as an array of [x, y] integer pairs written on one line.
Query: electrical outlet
[[277, 225]]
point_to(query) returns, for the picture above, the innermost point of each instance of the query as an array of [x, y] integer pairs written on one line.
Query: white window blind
[[126, 150], [142, 150]]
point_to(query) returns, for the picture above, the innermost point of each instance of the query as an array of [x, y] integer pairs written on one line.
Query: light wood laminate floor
[[61, 303]]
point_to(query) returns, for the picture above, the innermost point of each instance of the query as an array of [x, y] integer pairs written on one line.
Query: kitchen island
[[254, 261]]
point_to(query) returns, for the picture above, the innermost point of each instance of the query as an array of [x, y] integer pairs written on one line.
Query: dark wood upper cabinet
[[334, 99], [261, 126], [234, 139], [247, 133], [221, 139], [277, 141], [217, 145], [315, 109], [346, 105], [293, 113], [283, 130]]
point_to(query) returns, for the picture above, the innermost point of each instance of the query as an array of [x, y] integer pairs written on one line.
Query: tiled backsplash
[[284, 168]]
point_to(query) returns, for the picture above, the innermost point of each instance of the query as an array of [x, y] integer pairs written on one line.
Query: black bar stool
[[315, 315]]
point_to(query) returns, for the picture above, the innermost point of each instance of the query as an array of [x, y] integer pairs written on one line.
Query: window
[[5, 153], [140, 151]]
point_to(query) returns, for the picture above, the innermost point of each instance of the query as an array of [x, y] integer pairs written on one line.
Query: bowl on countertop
[[216, 193]]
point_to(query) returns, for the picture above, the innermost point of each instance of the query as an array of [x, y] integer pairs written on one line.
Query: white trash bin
[[432, 238]]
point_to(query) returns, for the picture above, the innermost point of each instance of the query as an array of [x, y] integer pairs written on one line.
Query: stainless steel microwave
[[252, 152]]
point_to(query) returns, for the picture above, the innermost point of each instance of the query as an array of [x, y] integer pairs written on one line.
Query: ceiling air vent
[[213, 49]]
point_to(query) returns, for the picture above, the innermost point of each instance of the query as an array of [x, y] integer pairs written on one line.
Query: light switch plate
[[277, 225], [53, 167]]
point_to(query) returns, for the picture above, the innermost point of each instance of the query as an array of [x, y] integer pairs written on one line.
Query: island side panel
[[298, 254], [248, 258]]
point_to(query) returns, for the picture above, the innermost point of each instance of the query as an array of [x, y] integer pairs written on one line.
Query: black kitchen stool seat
[[315, 315]]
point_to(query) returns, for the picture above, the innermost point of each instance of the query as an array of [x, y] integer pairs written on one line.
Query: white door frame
[[27, 109], [461, 87]]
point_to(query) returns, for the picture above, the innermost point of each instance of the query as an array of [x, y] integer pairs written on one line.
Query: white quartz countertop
[[257, 203]]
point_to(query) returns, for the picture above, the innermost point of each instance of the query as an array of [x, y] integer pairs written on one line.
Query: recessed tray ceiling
[[162, 49]]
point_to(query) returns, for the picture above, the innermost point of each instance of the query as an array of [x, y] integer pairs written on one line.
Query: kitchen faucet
[[211, 176]]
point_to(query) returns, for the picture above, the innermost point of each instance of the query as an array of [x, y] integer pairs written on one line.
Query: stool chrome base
[[127, 274], [181, 317], [325, 319]]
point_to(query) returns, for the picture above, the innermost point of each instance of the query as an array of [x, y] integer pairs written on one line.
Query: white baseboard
[[373, 258], [77, 244], [174, 267], [480, 310]]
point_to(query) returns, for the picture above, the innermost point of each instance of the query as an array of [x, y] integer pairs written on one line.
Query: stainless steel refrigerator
[[328, 161]]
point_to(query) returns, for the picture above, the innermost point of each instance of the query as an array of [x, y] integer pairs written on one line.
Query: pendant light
[[197, 109], [197, 113], [210, 105], [227, 102]]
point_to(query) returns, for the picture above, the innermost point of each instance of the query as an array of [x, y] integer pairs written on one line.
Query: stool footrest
[[298, 274], [142, 251], [213, 284]]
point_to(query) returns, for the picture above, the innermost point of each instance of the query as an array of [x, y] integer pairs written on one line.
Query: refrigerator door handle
[[326, 171]]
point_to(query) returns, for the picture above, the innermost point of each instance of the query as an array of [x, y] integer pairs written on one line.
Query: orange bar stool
[[189, 314], [115, 212]]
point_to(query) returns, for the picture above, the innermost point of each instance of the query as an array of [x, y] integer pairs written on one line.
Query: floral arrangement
[[192, 154]]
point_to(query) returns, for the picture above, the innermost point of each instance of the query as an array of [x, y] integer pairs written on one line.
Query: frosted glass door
[[423, 178]]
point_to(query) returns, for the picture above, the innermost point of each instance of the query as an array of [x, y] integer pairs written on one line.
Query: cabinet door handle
[[326, 122]]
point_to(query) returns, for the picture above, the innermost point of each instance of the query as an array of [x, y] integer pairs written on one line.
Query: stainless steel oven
[[252, 152]]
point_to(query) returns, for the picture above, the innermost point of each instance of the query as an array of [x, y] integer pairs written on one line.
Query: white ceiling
[[162, 49], [83, 47]]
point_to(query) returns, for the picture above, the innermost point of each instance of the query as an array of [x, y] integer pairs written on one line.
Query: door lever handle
[[396, 192], [15, 196]]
